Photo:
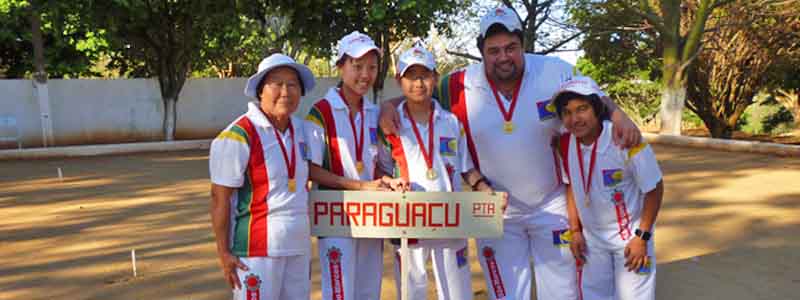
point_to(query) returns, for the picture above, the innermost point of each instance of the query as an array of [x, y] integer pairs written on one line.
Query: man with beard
[[504, 106]]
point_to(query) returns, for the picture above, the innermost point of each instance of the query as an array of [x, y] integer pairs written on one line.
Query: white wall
[[130, 110]]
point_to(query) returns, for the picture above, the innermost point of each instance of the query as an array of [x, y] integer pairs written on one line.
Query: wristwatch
[[644, 235]]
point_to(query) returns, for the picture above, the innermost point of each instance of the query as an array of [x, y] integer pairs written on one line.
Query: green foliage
[[776, 118], [616, 51], [234, 50], [162, 39], [779, 122], [71, 45], [636, 95], [386, 21], [690, 120]]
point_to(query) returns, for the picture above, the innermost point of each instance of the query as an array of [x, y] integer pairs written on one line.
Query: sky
[[467, 30]]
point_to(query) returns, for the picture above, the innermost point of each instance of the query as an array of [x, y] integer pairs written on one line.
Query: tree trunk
[[673, 94], [672, 101], [170, 118], [38, 44], [383, 39], [790, 99], [718, 128]]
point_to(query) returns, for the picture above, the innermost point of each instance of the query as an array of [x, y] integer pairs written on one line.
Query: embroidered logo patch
[[612, 177], [646, 268], [494, 273], [448, 146], [373, 136], [303, 150], [561, 238], [461, 257], [546, 110], [334, 264], [253, 284]]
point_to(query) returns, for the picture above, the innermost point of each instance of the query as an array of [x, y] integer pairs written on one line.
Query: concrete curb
[[95, 150], [724, 145]]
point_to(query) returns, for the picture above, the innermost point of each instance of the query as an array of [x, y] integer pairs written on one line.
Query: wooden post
[[404, 261]]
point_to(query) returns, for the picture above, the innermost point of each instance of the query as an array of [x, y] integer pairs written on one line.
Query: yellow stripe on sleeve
[[232, 136], [315, 120], [636, 149]]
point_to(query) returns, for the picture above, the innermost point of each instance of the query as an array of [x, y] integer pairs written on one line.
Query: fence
[[86, 111]]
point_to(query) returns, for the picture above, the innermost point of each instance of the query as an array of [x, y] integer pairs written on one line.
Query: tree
[[70, 47], [654, 29], [386, 21], [748, 37], [545, 25], [784, 78], [235, 50], [162, 39]]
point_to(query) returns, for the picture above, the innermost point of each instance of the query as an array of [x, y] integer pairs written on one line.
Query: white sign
[[406, 215]]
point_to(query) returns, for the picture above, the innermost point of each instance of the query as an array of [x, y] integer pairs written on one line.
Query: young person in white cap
[[504, 105], [613, 198], [259, 200], [342, 138], [429, 153]]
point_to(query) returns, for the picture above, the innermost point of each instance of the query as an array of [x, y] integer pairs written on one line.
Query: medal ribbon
[[359, 139], [507, 115], [426, 153], [290, 164], [587, 182]]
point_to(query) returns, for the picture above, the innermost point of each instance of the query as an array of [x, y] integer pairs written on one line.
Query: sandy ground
[[729, 229]]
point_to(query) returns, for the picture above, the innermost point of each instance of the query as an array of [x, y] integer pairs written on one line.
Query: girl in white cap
[[613, 198], [429, 152], [342, 135], [259, 199]]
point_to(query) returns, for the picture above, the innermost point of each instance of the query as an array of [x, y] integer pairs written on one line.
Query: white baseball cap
[[274, 61], [500, 15], [580, 85], [355, 45], [415, 56]]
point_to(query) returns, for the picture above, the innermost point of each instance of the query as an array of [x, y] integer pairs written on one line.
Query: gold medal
[[292, 185], [359, 167], [432, 174], [508, 127]]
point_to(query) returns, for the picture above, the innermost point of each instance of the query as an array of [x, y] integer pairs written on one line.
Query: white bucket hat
[[274, 61], [355, 45], [500, 15], [415, 56]]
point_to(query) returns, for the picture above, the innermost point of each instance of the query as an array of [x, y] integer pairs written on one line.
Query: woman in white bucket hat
[[342, 135], [259, 170]]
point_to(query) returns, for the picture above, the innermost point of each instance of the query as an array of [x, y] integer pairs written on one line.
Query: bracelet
[[478, 182]]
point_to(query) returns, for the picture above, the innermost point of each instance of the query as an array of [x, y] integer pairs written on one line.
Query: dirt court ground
[[729, 228]]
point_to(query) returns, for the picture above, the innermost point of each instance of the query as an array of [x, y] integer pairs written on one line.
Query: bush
[[778, 122], [640, 99]]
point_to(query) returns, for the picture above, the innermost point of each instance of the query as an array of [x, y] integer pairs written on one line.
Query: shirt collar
[[338, 103], [257, 116], [604, 140], [437, 112]]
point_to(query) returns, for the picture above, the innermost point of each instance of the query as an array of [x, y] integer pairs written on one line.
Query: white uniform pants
[[506, 262], [351, 268], [450, 269], [274, 278], [604, 275]]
